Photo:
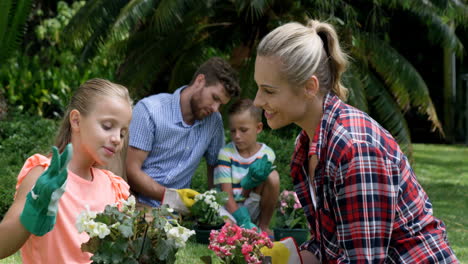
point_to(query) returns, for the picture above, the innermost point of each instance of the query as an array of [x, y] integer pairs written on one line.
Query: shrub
[[282, 143], [20, 137], [41, 82]]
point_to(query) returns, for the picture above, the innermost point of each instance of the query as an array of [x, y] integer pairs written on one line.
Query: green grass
[[442, 171]]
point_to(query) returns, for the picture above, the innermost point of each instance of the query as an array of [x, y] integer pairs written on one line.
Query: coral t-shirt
[[63, 243]]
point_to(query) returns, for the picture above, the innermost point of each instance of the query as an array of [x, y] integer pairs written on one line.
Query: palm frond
[[458, 11], [147, 58], [91, 25], [438, 25], [388, 113], [170, 13], [16, 20], [5, 7], [133, 13], [402, 78], [385, 60], [354, 81], [192, 55], [257, 8]]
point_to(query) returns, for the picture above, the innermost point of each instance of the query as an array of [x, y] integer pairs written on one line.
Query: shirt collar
[[314, 147], [177, 110]]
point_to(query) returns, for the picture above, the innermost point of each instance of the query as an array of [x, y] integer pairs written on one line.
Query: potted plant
[[122, 234], [206, 213], [236, 245], [290, 218]]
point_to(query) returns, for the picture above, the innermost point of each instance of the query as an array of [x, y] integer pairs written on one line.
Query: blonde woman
[[360, 195], [50, 193]]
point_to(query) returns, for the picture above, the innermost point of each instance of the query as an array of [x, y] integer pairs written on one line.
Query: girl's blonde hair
[[308, 50], [83, 100]]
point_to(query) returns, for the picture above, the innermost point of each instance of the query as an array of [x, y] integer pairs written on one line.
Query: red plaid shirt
[[370, 207]]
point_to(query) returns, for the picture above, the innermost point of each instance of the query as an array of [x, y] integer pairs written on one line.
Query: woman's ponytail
[[308, 50], [336, 58]]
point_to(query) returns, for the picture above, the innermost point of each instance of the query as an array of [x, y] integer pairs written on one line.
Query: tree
[[13, 18], [163, 41]]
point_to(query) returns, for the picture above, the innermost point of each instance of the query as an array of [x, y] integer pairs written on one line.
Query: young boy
[[244, 170]]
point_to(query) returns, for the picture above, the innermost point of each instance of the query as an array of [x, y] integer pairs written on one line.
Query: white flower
[[83, 218], [95, 229], [129, 204], [179, 235], [167, 227], [103, 230], [115, 225]]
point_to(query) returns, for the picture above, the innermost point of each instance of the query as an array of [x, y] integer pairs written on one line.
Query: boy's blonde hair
[[243, 105]]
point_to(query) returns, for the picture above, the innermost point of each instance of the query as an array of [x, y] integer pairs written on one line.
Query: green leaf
[[126, 228], [388, 113], [164, 249], [222, 198], [92, 245], [12, 23], [404, 81]]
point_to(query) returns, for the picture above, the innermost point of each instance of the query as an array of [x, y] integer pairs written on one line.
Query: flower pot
[[299, 234], [202, 232]]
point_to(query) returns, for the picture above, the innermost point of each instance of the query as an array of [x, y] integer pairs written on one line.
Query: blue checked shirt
[[175, 148]]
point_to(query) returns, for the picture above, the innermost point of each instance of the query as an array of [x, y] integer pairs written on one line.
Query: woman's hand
[[308, 257]]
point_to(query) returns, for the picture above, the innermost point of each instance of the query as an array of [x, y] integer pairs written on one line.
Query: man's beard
[[196, 109]]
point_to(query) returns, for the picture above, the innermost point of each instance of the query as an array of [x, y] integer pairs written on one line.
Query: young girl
[[360, 195], [51, 193]]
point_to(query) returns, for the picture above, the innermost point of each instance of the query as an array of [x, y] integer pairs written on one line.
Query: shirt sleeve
[[222, 171], [271, 154], [142, 128], [217, 142], [366, 197]]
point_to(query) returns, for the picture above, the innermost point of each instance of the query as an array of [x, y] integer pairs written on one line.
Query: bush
[[20, 137], [40, 82], [282, 144]]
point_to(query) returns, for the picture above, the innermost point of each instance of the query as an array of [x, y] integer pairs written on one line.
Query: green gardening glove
[[242, 217], [258, 172], [40, 208]]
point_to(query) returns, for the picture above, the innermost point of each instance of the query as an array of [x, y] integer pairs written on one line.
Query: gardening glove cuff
[[258, 173], [242, 217], [179, 200], [41, 206], [283, 252]]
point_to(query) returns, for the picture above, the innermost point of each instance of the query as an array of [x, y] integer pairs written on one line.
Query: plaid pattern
[[370, 207]]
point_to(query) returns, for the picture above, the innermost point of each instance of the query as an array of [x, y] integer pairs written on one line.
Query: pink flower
[[233, 240], [246, 249]]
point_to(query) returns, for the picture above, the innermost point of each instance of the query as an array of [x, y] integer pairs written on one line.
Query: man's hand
[[258, 172], [180, 200], [40, 208], [283, 252]]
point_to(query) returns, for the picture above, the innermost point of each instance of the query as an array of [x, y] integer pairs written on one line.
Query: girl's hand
[[41, 205]]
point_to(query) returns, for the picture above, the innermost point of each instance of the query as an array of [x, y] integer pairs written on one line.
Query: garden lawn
[[442, 170]]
